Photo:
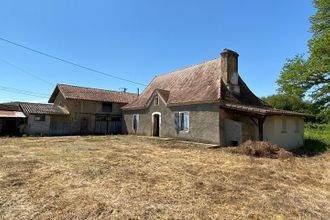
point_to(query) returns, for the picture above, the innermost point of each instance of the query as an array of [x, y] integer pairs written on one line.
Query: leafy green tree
[[288, 102], [310, 78], [293, 78]]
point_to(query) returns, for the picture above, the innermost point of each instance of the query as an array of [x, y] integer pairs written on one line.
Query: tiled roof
[[48, 109], [91, 94], [9, 107], [259, 110], [200, 83]]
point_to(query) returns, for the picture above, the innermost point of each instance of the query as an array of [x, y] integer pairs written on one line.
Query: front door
[[156, 125], [84, 126]]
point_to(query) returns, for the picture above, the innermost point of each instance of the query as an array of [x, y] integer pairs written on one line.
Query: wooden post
[[261, 128]]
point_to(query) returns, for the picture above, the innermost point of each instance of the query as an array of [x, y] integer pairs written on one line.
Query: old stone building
[[209, 102], [92, 111], [45, 119]]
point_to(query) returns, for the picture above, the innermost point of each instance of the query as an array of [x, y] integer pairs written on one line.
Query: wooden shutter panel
[[177, 121], [186, 121]]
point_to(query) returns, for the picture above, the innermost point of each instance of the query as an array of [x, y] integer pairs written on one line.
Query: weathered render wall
[[84, 112], [292, 138], [37, 127], [203, 122], [229, 128], [59, 125]]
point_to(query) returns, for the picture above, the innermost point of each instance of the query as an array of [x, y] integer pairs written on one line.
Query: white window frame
[[160, 121], [188, 121], [137, 116]]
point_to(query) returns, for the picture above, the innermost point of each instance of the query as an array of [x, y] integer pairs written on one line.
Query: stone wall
[[203, 122]]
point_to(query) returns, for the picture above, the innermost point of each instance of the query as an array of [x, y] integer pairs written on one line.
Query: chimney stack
[[229, 70]]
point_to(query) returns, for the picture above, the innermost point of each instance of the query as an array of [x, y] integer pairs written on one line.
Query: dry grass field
[[122, 177]]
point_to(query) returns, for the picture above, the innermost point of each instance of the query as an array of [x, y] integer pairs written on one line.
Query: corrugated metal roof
[[92, 94], [11, 114], [38, 108]]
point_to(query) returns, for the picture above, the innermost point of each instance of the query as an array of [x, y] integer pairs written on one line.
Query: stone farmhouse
[[207, 102]]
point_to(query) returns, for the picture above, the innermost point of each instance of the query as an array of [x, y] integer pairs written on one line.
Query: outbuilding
[[12, 120]]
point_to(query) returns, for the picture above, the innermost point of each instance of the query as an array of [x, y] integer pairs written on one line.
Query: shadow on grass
[[312, 147]]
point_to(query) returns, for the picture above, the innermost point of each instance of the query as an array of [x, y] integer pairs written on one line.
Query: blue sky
[[140, 39]]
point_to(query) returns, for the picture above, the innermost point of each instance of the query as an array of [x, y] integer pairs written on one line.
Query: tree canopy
[[310, 78]]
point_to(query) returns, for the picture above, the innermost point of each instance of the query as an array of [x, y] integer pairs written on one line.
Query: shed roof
[[38, 108], [11, 111], [258, 110], [92, 94], [11, 114], [10, 107]]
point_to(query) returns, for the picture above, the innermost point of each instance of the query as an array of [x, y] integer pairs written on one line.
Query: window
[[106, 107], [40, 118], [182, 121], [135, 123], [284, 126], [297, 125], [156, 101]]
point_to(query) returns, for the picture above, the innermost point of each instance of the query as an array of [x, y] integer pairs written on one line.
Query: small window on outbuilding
[[182, 121], [40, 118], [156, 101], [284, 125], [135, 122], [106, 107], [297, 126]]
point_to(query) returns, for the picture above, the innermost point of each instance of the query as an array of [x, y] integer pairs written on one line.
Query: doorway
[[84, 126], [156, 124]]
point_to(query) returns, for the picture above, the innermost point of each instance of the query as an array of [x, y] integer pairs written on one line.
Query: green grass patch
[[317, 139]]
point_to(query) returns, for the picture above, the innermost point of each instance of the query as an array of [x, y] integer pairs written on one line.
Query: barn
[[92, 111]]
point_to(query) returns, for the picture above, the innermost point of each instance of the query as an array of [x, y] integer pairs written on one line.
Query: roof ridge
[[35, 103], [106, 90], [190, 66]]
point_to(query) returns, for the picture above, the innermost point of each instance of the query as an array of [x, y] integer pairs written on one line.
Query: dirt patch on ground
[[260, 149], [130, 177]]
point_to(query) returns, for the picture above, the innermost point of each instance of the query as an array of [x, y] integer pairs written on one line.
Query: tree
[[310, 78], [288, 102]]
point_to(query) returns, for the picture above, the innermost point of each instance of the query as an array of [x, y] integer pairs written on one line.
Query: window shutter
[[136, 122], [186, 121], [177, 121]]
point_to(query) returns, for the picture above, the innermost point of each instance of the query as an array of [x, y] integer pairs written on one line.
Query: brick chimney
[[229, 70]]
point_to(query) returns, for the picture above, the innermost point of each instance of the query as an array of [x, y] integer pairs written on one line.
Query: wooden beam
[[254, 121]]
